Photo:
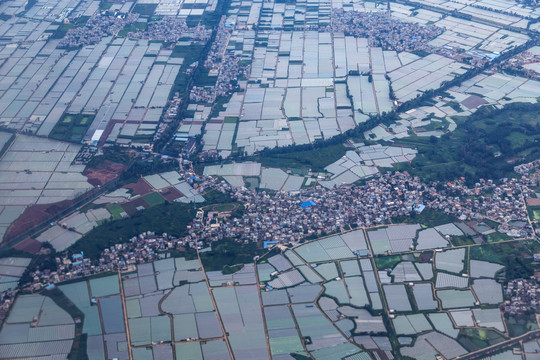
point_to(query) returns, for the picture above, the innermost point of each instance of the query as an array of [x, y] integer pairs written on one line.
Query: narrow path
[[129, 346], [215, 307], [262, 312]]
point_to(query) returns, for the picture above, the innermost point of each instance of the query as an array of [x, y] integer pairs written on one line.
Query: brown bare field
[[33, 216], [141, 187], [131, 207], [171, 194], [29, 245], [104, 172]]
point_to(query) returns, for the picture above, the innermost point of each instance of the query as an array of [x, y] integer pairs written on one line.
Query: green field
[[428, 218], [6, 145], [474, 339], [484, 145], [521, 325], [497, 236], [534, 212], [516, 256], [134, 27], [387, 262], [219, 105], [116, 210], [227, 253], [153, 199], [61, 31], [105, 5], [144, 9], [231, 120], [202, 78], [190, 54], [71, 127], [316, 160]]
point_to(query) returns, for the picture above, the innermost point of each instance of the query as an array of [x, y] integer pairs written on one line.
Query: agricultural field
[[71, 128], [348, 78], [117, 90], [153, 193], [36, 173], [498, 12], [359, 293], [11, 270], [60, 89], [361, 162], [112, 91], [36, 327], [495, 136], [299, 98], [267, 178], [284, 79]]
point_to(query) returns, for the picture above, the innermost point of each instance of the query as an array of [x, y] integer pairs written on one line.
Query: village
[[287, 218]]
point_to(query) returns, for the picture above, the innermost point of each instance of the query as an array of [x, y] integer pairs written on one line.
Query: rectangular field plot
[[331, 248], [397, 298], [282, 333], [240, 311], [452, 299], [450, 260], [23, 337]]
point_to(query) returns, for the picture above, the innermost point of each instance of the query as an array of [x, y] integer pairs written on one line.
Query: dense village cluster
[[141, 249], [97, 27], [169, 115], [500, 202], [374, 203], [385, 31], [217, 50], [280, 217], [223, 64], [169, 29], [525, 63], [524, 296]]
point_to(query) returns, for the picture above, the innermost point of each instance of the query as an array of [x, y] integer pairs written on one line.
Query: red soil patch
[[104, 172], [131, 207], [33, 216], [141, 187], [171, 194], [533, 201], [29, 245], [37, 214]]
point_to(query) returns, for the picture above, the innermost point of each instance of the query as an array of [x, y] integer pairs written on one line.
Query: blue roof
[[419, 208], [266, 243], [307, 204]]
